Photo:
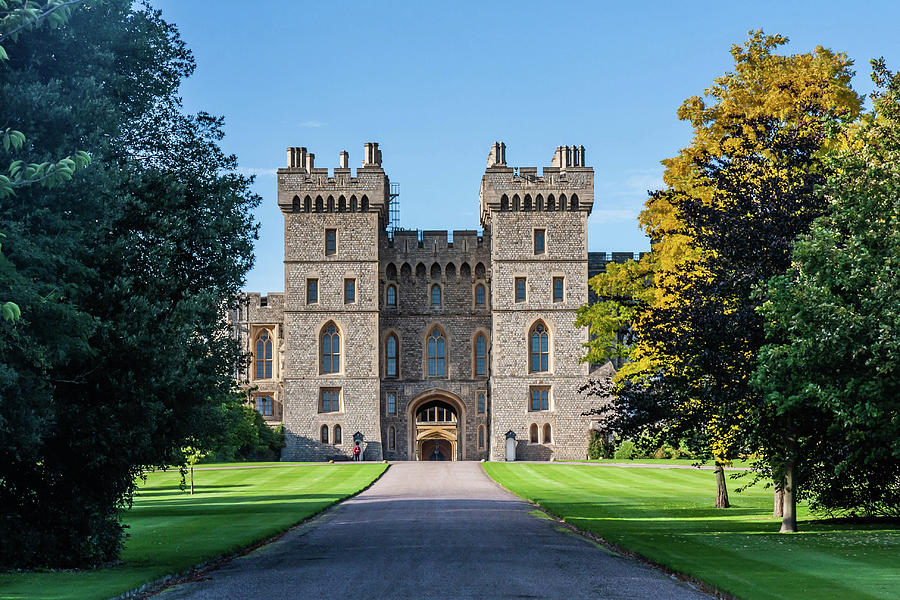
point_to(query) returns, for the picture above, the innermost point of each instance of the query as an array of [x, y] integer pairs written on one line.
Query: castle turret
[[538, 233], [333, 224]]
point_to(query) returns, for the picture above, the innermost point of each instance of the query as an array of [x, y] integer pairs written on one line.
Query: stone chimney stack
[[344, 159], [296, 158], [310, 162], [371, 155], [555, 161], [497, 155]]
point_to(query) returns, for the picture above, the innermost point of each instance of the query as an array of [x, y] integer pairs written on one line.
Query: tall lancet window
[[263, 356], [436, 353], [331, 349], [540, 348]]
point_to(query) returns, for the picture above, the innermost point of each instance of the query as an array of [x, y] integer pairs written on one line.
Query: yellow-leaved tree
[[749, 128]]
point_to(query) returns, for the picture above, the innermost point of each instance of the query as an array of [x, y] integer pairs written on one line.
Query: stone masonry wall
[[457, 267], [514, 203], [356, 257], [511, 206]]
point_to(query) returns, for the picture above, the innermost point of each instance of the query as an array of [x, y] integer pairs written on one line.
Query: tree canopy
[[736, 199], [122, 356], [831, 367]]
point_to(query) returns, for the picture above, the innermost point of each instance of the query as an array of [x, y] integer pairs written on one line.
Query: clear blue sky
[[436, 83]]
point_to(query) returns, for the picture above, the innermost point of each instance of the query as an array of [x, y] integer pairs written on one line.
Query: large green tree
[[18, 17], [830, 374], [736, 199], [122, 357]]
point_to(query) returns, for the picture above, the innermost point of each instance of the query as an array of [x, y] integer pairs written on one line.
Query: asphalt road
[[433, 530]]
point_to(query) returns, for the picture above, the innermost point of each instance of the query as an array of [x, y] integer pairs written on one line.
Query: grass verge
[[681, 462], [667, 516], [171, 531]]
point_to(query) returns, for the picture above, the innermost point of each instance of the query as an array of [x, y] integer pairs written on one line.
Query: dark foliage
[[831, 368], [763, 196], [246, 436], [122, 357]]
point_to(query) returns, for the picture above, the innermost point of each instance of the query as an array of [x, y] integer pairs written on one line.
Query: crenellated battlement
[[304, 188], [433, 240], [566, 185]]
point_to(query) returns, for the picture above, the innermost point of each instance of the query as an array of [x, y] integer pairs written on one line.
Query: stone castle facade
[[424, 345]]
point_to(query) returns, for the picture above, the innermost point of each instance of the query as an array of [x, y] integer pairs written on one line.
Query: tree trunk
[[721, 490], [778, 504], [192, 480], [789, 507]]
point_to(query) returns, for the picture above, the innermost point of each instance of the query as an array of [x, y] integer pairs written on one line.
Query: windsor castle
[[424, 345]]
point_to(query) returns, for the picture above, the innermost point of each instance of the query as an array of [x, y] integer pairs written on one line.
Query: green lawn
[[667, 516], [170, 530], [658, 461]]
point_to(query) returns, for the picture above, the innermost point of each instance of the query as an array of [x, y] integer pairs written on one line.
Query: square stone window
[[330, 400], [540, 398]]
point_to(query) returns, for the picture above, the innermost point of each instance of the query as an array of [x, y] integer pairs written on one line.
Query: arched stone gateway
[[436, 419]]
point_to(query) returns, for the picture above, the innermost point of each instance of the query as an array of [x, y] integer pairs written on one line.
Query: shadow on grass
[[223, 505], [174, 490]]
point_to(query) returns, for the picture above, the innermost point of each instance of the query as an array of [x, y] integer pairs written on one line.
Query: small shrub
[[595, 447], [626, 450]]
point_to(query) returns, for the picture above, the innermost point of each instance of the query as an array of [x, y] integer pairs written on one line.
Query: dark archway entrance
[[436, 430], [437, 450]]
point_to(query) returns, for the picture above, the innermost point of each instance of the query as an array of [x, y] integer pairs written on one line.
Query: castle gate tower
[[332, 226], [538, 232]]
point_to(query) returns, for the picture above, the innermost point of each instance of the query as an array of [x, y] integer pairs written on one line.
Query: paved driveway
[[433, 530]]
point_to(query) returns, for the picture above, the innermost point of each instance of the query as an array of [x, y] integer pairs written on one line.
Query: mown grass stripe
[[171, 531], [668, 516]]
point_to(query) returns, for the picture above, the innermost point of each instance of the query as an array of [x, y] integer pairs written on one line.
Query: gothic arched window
[[540, 348], [436, 353], [480, 355], [390, 356], [548, 438], [481, 403], [479, 294], [331, 349], [391, 295], [324, 437], [534, 433], [435, 295], [264, 356], [338, 437]]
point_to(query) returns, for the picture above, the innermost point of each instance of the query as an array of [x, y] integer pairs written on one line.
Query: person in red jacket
[[357, 452]]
